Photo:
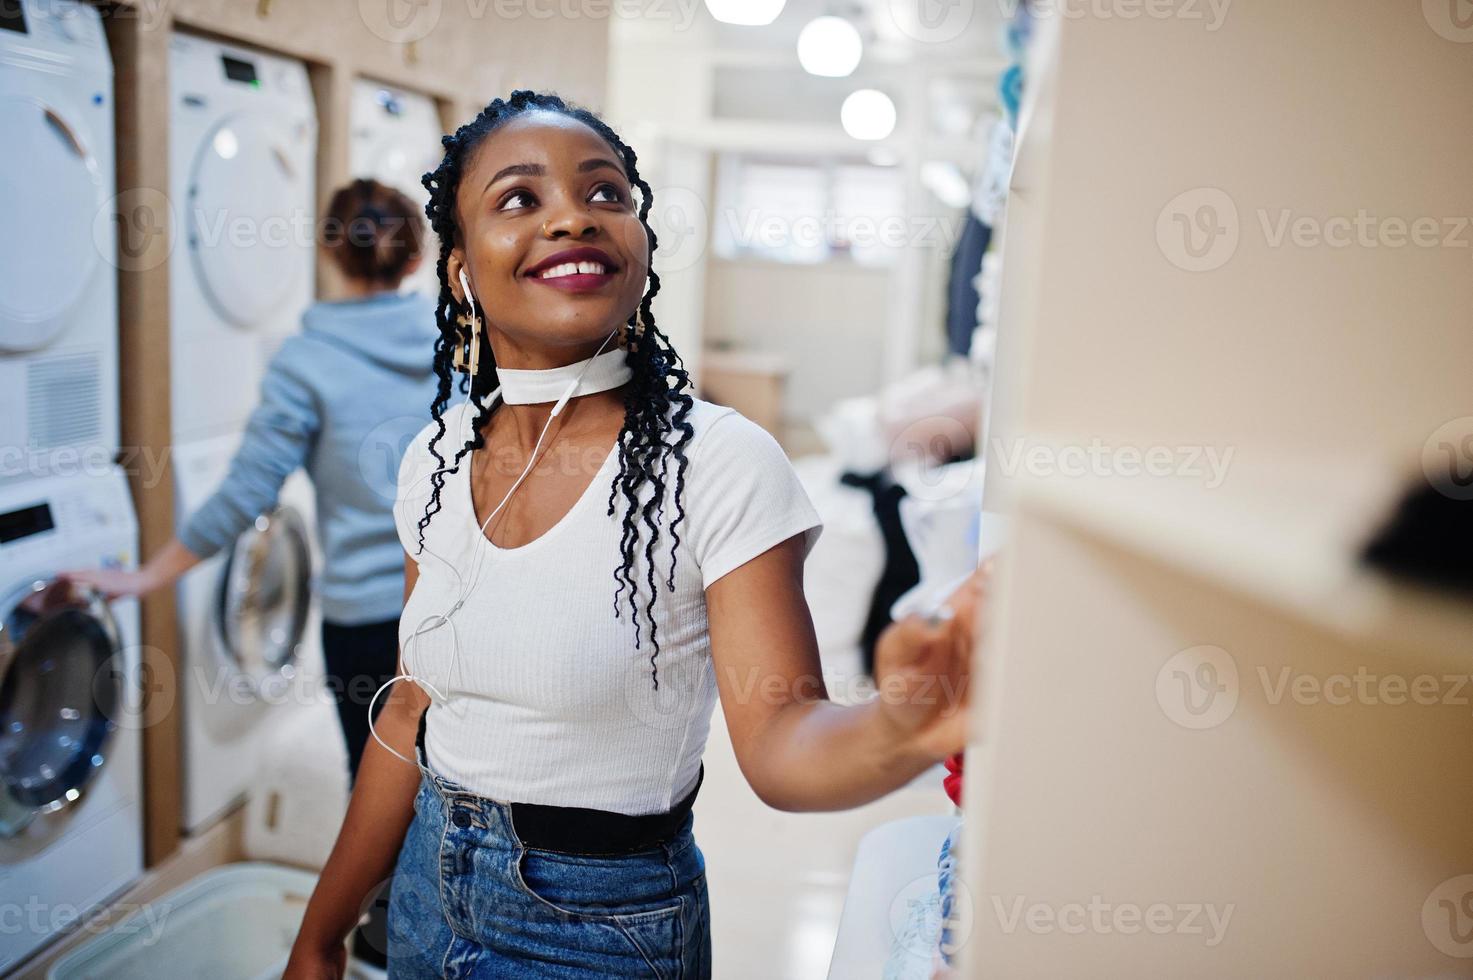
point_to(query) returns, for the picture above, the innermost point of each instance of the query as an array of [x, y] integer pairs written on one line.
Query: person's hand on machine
[[923, 669], [162, 569]]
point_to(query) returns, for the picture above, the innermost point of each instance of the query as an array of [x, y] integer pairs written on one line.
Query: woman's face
[[541, 185]]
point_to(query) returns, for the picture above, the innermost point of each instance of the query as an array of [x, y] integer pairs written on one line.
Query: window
[[808, 211]]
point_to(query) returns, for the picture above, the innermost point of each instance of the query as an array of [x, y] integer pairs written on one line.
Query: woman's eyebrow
[[538, 170]]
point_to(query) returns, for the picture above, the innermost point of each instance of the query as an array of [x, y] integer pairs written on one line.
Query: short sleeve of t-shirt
[[745, 497]]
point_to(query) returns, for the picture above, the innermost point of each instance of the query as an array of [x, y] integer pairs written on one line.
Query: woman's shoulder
[[704, 415], [417, 468], [728, 450], [441, 437], [725, 430]]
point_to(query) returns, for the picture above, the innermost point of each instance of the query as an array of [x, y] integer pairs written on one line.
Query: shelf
[[1283, 531]]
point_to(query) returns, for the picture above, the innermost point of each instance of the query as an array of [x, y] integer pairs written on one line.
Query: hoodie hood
[[397, 331]]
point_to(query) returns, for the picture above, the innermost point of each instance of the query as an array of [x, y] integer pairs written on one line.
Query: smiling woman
[[519, 232], [530, 791]]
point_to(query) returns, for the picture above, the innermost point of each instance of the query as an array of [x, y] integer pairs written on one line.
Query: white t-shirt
[[549, 700]]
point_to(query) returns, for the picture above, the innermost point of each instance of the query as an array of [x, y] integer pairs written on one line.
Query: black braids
[[442, 398], [659, 384], [442, 184], [651, 386], [673, 367], [658, 381]]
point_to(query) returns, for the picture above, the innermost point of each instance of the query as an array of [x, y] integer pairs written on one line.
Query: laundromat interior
[[1113, 357]]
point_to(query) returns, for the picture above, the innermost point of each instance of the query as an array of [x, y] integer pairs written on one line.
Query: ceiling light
[[868, 114], [829, 46], [748, 13]]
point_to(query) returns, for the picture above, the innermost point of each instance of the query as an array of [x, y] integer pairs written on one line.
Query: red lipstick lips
[[575, 281]]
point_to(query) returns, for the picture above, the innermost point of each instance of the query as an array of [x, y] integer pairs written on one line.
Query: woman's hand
[[923, 673], [115, 583], [309, 963], [162, 569]]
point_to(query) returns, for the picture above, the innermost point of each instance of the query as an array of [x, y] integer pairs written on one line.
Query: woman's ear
[[453, 264]]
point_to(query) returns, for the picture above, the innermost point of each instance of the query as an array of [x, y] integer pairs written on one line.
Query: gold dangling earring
[[638, 330], [467, 357]]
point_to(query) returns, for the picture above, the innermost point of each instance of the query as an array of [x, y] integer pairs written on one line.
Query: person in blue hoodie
[[359, 373]]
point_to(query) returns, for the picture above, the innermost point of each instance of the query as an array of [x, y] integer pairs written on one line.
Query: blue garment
[[961, 295], [343, 399], [470, 900]]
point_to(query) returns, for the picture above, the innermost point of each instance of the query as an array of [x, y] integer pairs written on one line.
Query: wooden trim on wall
[[140, 50], [332, 96]]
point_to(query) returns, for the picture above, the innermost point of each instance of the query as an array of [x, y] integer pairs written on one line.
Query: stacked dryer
[[242, 159], [71, 826], [395, 139], [58, 277]]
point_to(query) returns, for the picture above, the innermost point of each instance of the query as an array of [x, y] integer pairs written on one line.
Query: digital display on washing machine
[[13, 16], [237, 70], [25, 522]]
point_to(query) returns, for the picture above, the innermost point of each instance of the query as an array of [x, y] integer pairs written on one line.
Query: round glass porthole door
[[59, 696], [50, 192], [262, 602], [243, 236]]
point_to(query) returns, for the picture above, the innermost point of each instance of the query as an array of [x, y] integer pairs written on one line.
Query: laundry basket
[[235, 922]]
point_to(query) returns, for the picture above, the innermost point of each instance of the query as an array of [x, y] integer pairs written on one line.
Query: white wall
[[829, 318]]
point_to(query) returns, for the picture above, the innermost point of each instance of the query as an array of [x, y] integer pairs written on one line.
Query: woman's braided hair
[[659, 382]]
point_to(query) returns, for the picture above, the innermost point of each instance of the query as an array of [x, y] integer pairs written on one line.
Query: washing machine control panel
[[56, 26], [241, 68], [45, 520]]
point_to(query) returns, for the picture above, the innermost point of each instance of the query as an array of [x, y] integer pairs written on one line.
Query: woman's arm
[[368, 844], [797, 749], [276, 441], [164, 568]]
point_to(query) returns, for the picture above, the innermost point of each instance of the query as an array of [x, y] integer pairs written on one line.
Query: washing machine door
[[262, 601], [51, 191], [245, 240], [60, 694]]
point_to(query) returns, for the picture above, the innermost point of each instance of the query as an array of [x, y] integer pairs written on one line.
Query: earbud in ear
[[472, 324]]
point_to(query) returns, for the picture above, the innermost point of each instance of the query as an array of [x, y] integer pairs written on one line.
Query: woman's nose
[[570, 221]]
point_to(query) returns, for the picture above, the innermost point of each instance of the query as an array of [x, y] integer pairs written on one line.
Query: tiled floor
[[777, 880]]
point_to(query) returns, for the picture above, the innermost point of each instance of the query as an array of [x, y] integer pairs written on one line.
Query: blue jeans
[[470, 900]]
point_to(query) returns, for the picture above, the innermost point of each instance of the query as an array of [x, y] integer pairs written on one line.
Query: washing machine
[[72, 708], [242, 153], [250, 627], [394, 137], [58, 256], [242, 156]]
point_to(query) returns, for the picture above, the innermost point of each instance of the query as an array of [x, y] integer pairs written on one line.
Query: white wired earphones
[[436, 620]]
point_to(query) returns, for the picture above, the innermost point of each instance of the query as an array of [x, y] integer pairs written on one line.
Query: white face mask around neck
[[533, 386]]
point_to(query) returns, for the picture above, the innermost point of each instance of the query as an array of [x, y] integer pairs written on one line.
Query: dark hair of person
[[373, 231], [658, 385]]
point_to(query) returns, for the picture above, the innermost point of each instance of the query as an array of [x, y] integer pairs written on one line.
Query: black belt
[[584, 830]]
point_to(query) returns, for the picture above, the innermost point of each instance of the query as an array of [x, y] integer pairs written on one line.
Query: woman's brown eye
[[514, 195], [614, 192]]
